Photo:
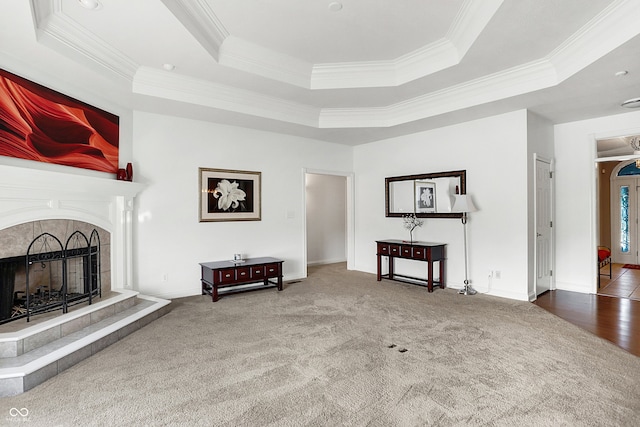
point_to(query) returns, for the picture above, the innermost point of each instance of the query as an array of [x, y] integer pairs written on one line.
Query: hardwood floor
[[624, 282], [615, 319]]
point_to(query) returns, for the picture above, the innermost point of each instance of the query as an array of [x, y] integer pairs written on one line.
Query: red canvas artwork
[[37, 123]]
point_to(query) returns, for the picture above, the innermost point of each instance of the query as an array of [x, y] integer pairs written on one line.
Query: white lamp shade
[[463, 203]]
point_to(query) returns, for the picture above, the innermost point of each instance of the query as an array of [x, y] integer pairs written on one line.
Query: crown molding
[[346, 75], [201, 21], [429, 59], [172, 86], [515, 81], [608, 30], [472, 18], [615, 25], [58, 31], [245, 56], [605, 32]]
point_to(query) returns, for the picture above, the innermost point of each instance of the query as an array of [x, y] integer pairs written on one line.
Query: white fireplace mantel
[[31, 195]]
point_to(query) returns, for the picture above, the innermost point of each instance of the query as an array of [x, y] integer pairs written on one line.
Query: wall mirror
[[428, 195]]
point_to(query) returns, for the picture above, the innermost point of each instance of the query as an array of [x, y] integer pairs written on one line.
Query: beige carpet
[[318, 353]]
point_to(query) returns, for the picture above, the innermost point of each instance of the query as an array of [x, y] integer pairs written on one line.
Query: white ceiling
[[373, 70]]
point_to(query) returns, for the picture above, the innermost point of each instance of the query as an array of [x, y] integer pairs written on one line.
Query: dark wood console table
[[228, 275], [419, 251]]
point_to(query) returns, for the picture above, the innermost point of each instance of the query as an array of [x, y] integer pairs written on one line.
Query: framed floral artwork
[[229, 195], [425, 196]]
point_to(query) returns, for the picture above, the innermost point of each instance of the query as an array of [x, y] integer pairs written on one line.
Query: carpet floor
[[341, 349]]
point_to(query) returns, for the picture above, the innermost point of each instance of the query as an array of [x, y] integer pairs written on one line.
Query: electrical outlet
[[165, 277], [496, 274]]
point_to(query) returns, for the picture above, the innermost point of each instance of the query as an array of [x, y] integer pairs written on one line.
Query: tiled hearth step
[[38, 353], [39, 332]]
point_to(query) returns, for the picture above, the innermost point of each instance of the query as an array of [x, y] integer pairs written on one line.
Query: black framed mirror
[[426, 195]]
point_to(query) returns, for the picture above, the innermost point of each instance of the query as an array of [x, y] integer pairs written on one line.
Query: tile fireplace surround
[[48, 276], [28, 195], [37, 201]]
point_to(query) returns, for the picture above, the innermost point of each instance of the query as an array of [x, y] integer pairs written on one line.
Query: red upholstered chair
[[604, 258]]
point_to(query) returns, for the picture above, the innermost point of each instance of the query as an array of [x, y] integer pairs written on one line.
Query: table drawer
[[257, 272], [228, 275], [243, 273], [405, 251], [272, 270], [383, 249], [419, 253], [394, 250]]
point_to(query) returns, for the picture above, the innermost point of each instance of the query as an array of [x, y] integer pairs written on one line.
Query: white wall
[[169, 240], [326, 200], [576, 241], [494, 153]]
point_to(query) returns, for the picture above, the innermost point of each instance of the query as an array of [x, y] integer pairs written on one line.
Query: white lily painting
[[229, 195]]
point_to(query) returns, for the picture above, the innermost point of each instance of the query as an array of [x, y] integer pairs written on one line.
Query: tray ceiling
[[371, 70]]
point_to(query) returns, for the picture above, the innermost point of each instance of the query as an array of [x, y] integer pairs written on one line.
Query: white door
[[544, 224], [624, 234]]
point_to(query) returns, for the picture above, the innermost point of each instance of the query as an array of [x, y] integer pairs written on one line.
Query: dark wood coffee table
[[230, 276]]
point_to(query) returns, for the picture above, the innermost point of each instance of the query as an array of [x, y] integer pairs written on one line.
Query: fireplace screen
[[51, 276]]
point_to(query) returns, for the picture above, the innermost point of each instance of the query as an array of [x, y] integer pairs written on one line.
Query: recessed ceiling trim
[[197, 17], [615, 25], [42, 10], [66, 36], [58, 31], [473, 17], [154, 82], [432, 58], [515, 81], [354, 74], [201, 21], [242, 55], [440, 56]]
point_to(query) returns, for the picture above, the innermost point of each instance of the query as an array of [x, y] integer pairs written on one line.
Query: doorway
[[617, 215], [328, 218]]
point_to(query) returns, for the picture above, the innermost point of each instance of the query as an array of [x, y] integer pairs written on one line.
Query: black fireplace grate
[[79, 255]]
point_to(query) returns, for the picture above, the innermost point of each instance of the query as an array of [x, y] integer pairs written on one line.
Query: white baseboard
[[326, 261]]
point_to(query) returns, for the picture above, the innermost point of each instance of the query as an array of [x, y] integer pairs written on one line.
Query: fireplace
[[55, 271], [43, 201], [60, 202]]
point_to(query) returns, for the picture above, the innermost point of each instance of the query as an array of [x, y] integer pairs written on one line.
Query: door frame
[[595, 208], [350, 214], [614, 181], [552, 284]]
